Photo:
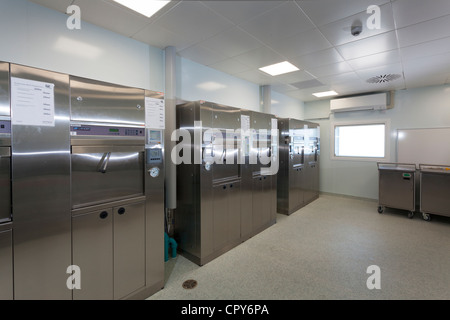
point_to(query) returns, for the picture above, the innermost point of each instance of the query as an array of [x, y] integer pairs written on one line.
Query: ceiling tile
[[339, 78], [295, 76], [202, 55], [409, 12], [331, 69], [161, 37], [426, 49], [257, 77], [194, 21], [425, 31], [280, 22], [260, 57], [419, 67], [232, 42], [395, 68], [369, 46], [323, 12], [299, 44], [318, 58], [283, 87], [60, 6], [375, 60], [241, 11], [230, 66], [339, 32]]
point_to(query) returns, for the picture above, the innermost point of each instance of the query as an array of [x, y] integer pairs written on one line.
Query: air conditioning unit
[[378, 101]]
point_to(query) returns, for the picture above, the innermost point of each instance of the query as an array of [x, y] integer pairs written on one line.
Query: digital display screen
[[114, 130], [155, 154], [155, 135]]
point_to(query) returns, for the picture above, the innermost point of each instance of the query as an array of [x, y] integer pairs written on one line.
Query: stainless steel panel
[[129, 249], [397, 187], [234, 211], [41, 198], [103, 174], [6, 265], [220, 216], [227, 120], [92, 243], [5, 107], [435, 190], [154, 217], [95, 101], [246, 184], [5, 184]]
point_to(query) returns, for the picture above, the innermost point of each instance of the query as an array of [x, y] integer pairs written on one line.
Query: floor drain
[[190, 284]]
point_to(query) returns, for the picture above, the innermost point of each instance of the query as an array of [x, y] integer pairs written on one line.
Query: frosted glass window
[[366, 141]]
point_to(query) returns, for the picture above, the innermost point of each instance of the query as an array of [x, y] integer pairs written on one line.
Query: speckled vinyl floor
[[322, 252]]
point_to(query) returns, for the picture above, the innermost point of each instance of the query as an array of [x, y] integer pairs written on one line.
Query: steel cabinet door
[[6, 266], [92, 241], [129, 249], [234, 211], [5, 184], [220, 216], [103, 174], [396, 191]]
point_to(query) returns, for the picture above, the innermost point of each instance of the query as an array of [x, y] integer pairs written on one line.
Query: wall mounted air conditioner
[[378, 101]]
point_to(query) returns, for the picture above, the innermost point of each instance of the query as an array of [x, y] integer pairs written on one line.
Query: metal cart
[[434, 190], [397, 187]]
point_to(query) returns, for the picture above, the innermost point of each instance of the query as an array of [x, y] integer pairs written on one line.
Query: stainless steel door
[[41, 197], [396, 190], [5, 184], [106, 173], [129, 249], [6, 263], [92, 243], [435, 190], [95, 101], [5, 107]]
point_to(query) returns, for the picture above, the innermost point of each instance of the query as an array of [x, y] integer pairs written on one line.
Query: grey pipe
[[170, 97]]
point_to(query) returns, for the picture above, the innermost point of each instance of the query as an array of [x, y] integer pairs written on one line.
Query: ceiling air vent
[[384, 78]]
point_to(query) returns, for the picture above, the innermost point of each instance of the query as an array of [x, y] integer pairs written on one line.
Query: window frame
[[387, 140]]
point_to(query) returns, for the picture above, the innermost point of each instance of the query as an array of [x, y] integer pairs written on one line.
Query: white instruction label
[[32, 102]]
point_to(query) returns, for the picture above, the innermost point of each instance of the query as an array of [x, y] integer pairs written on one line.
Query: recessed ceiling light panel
[[325, 94], [145, 7], [279, 68]]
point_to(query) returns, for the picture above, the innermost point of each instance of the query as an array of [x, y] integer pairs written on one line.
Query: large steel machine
[[298, 176], [259, 169], [116, 162], [81, 185], [223, 196]]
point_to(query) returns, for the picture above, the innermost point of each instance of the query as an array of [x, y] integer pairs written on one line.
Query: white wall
[[414, 108], [198, 82], [35, 36], [287, 107]]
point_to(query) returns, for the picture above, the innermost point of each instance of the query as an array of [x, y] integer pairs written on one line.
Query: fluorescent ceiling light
[[325, 94], [279, 68], [144, 7]]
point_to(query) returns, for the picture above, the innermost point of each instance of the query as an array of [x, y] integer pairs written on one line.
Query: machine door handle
[[104, 215], [104, 162], [121, 211]]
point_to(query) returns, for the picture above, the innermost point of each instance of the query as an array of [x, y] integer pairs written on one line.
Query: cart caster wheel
[[426, 216], [380, 209], [410, 215]]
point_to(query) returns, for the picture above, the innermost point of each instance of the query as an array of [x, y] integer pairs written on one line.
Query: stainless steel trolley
[[434, 190], [397, 187]]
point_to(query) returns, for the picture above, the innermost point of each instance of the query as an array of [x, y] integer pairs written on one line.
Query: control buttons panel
[[5, 127], [88, 130]]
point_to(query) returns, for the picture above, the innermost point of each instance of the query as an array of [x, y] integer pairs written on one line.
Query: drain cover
[[190, 284]]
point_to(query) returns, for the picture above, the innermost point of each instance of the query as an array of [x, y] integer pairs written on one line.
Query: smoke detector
[[384, 78]]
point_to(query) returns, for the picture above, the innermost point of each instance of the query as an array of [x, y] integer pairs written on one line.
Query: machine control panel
[[90, 130], [5, 127], [154, 146]]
